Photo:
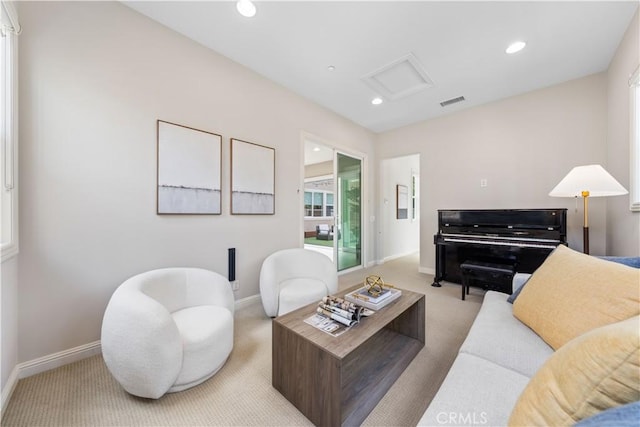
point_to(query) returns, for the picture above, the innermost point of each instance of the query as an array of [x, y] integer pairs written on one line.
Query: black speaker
[[232, 264]]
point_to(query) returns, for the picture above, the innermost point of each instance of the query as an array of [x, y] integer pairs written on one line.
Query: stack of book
[[364, 298]]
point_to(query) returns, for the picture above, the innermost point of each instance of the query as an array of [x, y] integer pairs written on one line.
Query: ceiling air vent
[[452, 101]]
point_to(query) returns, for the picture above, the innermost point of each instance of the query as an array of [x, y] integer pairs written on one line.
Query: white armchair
[[168, 330], [292, 278]]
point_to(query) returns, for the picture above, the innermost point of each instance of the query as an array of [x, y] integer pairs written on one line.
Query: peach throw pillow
[[572, 293], [594, 372]]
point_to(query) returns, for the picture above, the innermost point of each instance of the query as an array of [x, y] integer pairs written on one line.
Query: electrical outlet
[[235, 285], [483, 182]]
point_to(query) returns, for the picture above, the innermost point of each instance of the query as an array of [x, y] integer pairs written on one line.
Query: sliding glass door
[[348, 212]]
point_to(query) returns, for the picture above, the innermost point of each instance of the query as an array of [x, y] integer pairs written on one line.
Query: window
[[307, 203], [414, 196], [328, 206], [318, 203], [8, 130], [634, 121]]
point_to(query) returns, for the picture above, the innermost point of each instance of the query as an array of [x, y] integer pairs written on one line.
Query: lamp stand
[[587, 181], [585, 228]]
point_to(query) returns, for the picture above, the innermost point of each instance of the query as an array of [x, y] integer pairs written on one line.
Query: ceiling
[[424, 52], [315, 152]]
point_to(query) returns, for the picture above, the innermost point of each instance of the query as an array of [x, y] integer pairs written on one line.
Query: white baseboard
[[61, 358], [46, 363], [396, 256], [245, 302], [7, 391], [426, 270]]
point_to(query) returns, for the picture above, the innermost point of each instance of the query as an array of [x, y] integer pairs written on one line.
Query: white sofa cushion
[[496, 335], [207, 335], [464, 399], [303, 267]]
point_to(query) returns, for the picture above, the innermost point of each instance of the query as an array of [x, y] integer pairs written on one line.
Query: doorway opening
[[332, 204], [400, 210]]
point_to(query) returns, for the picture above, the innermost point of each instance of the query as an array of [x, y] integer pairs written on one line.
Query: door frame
[[366, 242]]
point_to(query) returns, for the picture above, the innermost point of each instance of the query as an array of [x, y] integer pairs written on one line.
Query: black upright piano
[[519, 237]]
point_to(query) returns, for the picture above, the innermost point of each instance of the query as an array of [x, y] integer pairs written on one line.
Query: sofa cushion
[[572, 293], [207, 338], [298, 292], [591, 373], [475, 392], [523, 351]]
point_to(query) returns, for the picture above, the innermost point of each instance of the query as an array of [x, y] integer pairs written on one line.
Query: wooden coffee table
[[339, 380]]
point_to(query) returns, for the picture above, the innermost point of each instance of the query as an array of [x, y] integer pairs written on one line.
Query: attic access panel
[[400, 78]]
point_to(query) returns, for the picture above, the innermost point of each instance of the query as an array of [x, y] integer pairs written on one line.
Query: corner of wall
[[8, 389]]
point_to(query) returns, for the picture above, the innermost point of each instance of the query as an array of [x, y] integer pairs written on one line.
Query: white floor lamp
[[588, 181]]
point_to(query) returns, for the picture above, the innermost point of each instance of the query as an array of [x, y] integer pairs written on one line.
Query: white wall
[[8, 320], [397, 236], [95, 76], [623, 226], [522, 145]]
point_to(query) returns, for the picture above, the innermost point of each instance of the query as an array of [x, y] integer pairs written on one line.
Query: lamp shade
[[592, 178]]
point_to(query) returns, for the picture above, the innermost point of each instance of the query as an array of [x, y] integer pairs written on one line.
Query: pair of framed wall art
[[190, 173]]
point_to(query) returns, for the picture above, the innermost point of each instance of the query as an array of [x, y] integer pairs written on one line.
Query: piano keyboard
[[520, 244], [497, 237]]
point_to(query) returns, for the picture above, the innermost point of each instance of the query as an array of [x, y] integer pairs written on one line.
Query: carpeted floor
[[240, 394]]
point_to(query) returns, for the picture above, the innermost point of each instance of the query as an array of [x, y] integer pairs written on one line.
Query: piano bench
[[490, 273]]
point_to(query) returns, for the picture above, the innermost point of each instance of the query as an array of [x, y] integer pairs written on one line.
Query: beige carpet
[[240, 394]]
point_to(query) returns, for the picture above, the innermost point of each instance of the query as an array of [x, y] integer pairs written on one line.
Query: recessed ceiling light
[[515, 47], [316, 149], [331, 68], [376, 101], [246, 8]]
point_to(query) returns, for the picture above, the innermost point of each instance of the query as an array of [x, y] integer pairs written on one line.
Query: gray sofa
[[493, 366]]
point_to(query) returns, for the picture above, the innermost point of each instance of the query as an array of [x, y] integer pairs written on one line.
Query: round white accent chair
[[168, 330], [293, 278]]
